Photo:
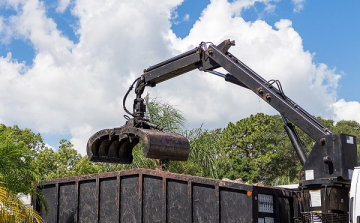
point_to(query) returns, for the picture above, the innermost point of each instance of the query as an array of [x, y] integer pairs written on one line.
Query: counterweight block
[[115, 145]]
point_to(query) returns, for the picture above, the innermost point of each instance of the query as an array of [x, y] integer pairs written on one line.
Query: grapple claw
[[115, 145]]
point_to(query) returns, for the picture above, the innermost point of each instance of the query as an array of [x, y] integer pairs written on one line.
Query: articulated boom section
[[328, 167]]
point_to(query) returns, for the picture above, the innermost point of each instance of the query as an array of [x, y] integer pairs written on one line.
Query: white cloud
[[240, 5], [62, 6], [13, 3], [5, 32], [298, 5], [78, 88], [80, 135], [346, 110]]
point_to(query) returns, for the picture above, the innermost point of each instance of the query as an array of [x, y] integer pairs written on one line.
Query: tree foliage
[[18, 150], [164, 114], [206, 156], [258, 150], [65, 162]]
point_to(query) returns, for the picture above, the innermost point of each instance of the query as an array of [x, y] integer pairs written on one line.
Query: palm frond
[[13, 210]]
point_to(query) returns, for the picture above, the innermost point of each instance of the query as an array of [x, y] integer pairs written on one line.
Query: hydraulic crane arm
[[208, 57], [218, 56]]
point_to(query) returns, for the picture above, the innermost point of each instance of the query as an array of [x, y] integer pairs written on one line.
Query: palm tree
[[13, 210]]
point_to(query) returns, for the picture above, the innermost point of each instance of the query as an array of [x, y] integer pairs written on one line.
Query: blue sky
[[78, 62]]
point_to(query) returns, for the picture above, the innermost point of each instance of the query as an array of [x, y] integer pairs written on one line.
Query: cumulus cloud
[[346, 110], [78, 88]]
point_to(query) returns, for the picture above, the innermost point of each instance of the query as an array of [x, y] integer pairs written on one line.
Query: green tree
[[18, 149], [21, 137], [65, 162], [67, 159], [16, 168], [85, 166], [259, 150], [46, 162]]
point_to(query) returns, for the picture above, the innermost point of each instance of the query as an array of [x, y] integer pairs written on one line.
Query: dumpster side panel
[[67, 202], [178, 203], [153, 201], [204, 198], [87, 201], [130, 199], [109, 200], [235, 206]]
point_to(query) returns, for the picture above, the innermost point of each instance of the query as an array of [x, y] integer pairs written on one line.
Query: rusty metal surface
[[141, 195], [115, 145], [164, 145]]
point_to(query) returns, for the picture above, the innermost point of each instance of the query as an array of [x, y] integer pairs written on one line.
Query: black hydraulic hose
[[127, 93]]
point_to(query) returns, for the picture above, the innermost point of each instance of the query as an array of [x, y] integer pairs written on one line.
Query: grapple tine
[[111, 146]]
